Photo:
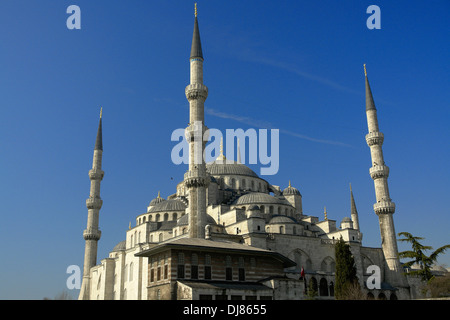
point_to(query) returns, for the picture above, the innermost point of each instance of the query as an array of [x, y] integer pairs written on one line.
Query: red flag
[[302, 273]]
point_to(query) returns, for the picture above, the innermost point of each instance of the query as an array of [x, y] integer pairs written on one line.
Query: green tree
[[345, 270], [418, 256]]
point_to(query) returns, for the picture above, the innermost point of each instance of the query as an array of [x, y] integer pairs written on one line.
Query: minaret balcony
[[379, 171], [384, 207], [196, 91], [194, 179], [374, 138], [94, 203], [96, 174], [92, 234]]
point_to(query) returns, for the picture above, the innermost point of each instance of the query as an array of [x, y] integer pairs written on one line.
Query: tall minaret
[[196, 179], [353, 211], [384, 207], [93, 203]]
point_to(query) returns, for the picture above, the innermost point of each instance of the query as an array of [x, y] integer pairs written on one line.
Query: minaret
[[92, 233], [353, 211], [384, 207], [196, 179]]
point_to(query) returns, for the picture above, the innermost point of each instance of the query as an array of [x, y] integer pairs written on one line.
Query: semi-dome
[[121, 246], [227, 167], [259, 198], [278, 219], [184, 220], [157, 200], [290, 190], [168, 205]]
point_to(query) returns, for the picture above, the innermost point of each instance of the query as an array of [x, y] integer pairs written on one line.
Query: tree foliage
[[419, 257], [345, 271]]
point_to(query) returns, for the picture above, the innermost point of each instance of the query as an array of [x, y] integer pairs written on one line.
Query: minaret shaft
[[384, 207], [196, 179], [94, 203]]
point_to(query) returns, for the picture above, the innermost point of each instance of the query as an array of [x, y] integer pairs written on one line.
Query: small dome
[[346, 219], [259, 198], [121, 246], [184, 220], [157, 200], [281, 220], [290, 190], [168, 205]]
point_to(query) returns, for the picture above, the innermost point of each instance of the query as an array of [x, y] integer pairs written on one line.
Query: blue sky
[[292, 65]]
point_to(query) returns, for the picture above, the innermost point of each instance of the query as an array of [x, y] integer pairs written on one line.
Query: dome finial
[[325, 212], [195, 11], [159, 194], [221, 157], [289, 183]]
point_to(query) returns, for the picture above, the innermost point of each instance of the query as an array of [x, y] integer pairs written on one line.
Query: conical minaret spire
[[384, 207], [92, 233], [196, 179], [353, 211]]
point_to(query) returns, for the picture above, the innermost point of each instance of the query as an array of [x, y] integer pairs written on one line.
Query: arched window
[[271, 209], [174, 216], [243, 184], [241, 269], [281, 229], [194, 266], [381, 296], [308, 265], [180, 266], [233, 183], [228, 269], [207, 267], [131, 272], [160, 237], [262, 208], [157, 217], [331, 289], [323, 287], [166, 216], [99, 283], [253, 185]]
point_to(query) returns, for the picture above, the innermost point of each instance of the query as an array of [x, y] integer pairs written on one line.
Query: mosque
[[228, 234]]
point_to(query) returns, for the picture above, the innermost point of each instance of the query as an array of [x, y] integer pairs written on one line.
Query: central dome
[[227, 167]]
